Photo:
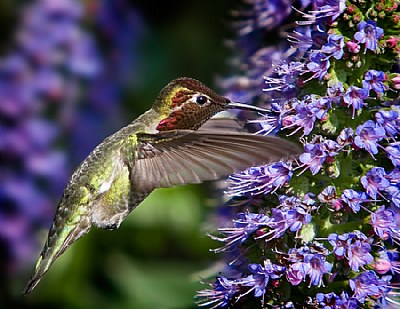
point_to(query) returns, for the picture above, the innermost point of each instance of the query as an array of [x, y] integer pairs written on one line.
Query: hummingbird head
[[186, 103]]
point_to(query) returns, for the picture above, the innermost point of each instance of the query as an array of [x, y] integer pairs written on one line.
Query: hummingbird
[[164, 147]]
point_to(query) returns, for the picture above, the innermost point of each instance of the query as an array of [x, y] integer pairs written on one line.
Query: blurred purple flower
[[393, 153]]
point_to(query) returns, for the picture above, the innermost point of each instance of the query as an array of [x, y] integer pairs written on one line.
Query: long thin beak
[[246, 107]]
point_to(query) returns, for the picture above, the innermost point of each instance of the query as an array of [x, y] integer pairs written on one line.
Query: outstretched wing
[[180, 157]]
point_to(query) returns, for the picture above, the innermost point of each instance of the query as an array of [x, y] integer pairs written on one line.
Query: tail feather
[[55, 246]]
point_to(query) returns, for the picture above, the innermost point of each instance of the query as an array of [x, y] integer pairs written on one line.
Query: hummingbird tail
[[55, 246]]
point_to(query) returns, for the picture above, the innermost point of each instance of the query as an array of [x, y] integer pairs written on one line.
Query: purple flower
[[384, 223], [277, 225], [369, 34], [304, 118], [297, 272], [331, 301], [312, 264], [296, 218], [354, 97], [345, 137], [318, 65], [342, 242], [374, 181], [307, 111], [328, 196], [393, 152], [260, 180], [389, 120], [388, 261], [373, 79], [367, 285], [222, 292], [272, 122], [316, 154], [368, 136], [318, 267], [334, 46], [354, 199], [243, 227], [358, 254], [260, 276]]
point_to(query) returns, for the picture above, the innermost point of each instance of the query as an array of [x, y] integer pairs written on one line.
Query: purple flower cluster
[[328, 218]]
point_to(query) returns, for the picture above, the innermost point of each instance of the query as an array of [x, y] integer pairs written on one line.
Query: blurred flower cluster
[[53, 66], [321, 230]]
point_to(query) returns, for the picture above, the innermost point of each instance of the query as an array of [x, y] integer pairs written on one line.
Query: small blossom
[[368, 136], [318, 267], [388, 261], [222, 292], [393, 152], [317, 153], [375, 181], [354, 97], [328, 196], [331, 300], [261, 275], [369, 34], [373, 79], [243, 227], [366, 285], [389, 120], [358, 254], [318, 65], [334, 46], [354, 199], [345, 137], [335, 92], [260, 180], [384, 223]]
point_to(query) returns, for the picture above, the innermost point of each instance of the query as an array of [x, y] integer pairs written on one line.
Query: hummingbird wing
[[178, 157]]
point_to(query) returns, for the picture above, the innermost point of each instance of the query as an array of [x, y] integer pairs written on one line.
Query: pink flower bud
[[382, 266], [396, 82], [392, 42], [353, 47]]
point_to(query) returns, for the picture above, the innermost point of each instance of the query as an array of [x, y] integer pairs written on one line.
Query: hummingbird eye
[[201, 99]]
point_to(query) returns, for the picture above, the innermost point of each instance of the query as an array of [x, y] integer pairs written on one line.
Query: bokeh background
[[71, 73]]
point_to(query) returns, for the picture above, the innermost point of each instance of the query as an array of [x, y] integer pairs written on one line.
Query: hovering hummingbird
[[164, 147]]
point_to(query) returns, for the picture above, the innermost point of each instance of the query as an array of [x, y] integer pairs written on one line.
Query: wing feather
[[179, 157]]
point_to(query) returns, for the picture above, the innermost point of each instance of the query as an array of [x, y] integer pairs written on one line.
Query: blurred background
[[71, 73]]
